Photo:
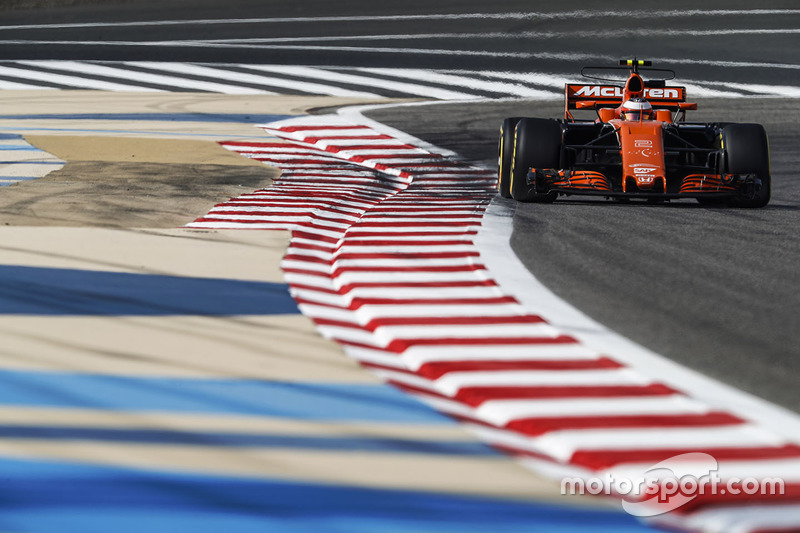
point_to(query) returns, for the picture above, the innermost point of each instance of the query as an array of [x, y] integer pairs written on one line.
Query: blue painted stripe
[[18, 148], [47, 497], [303, 400], [245, 440], [160, 117], [9, 136], [31, 162], [6, 181], [68, 292]]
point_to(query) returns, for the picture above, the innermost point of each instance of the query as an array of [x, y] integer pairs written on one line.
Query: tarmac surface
[[714, 289]]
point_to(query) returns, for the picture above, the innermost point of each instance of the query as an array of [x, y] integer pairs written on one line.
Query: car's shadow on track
[[639, 203]]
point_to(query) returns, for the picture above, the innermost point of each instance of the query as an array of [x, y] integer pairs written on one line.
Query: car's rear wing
[[611, 96]]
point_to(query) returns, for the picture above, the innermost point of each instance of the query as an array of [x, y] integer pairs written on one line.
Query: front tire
[[747, 153], [505, 155], [537, 144]]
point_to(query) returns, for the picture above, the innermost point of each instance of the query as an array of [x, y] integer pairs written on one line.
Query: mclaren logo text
[[606, 91]]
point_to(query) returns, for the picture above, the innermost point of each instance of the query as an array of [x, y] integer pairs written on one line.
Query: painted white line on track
[[558, 15], [16, 86], [199, 70], [439, 84], [767, 90], [101, 70], [507, 88], [516, 36], [352, 79], [72, 81]]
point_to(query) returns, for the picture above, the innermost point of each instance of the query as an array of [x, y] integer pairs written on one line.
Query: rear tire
[[505, 155], [747, 153], [537, 144]]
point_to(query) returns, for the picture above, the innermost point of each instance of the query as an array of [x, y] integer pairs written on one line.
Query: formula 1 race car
[[638, 146]]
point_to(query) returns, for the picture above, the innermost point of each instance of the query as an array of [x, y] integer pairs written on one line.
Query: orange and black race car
[[638, 146]]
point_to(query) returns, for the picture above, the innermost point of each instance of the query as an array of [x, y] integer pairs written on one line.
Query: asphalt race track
[[714, 289], [413, 33]]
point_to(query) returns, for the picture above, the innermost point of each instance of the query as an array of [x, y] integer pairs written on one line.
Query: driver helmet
[[637, 109]]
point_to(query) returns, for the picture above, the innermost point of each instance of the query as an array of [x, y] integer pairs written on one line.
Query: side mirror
[[605, 114]]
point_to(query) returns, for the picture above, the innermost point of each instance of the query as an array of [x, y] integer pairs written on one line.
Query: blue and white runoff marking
[[67, 497], [148, 391], [21, 161]]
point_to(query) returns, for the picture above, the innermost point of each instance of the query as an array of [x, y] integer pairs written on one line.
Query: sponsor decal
[[644, 147], [609, 91], [669, 94], [641, 169], [644, 173]]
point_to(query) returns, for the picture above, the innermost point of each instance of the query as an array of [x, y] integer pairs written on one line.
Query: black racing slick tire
[[747, 153], [537, 144], [505, 155]]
